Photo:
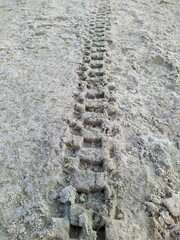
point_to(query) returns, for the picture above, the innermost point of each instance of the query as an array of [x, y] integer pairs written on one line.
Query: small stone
[[120, 216], [144, 207]]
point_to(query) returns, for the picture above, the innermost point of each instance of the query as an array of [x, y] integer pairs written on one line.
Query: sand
[[89, 120]]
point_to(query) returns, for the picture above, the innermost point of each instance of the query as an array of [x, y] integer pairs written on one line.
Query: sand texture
[[90, 120]]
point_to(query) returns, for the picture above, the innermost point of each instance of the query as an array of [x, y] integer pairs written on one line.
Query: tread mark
[[75, 232], [95, 167], [96, 109], [93, 123], [101, 233], [95, 95], [86, 147], [97, 65], [92, 143]]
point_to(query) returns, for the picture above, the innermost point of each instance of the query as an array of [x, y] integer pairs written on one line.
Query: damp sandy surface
[[41, 47]]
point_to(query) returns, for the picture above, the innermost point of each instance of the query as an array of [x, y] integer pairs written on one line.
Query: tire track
[[89, 200]]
